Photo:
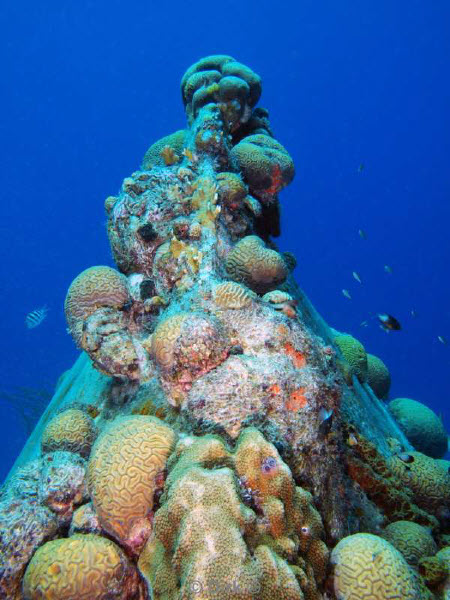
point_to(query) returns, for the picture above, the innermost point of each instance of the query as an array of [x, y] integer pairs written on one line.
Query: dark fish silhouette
[[388, 322]]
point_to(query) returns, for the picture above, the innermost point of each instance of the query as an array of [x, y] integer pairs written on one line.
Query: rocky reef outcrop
[[216, 439]]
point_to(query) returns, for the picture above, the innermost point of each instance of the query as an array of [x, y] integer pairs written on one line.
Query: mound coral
[[411, 539], [218, 546], [72, 430], [258, 267], [94, 288], [81, 567], [378, 376], [123, 471], [265, 164], [429, 482], [421, 425], [154, 156], [366, 566], [188, 345], [354, 354]]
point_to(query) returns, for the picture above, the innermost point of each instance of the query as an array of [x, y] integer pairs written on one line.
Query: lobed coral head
[[258, 267]]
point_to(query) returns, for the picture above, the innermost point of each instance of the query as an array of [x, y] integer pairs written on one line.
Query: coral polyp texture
[[216, 439]]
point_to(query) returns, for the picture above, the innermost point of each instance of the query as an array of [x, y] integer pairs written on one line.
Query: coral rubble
[[216, 439]]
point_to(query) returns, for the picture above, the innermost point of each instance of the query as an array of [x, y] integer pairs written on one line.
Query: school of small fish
[[387, 322]]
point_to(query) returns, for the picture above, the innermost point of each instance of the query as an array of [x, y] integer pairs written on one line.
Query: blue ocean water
[[357, 92]]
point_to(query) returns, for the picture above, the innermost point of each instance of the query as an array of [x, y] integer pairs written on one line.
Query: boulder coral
[[126, 463], [265, 164], [354, 354], [378, 376], [94, 288], [366, 566], [71, 430], [422, 427], [81, 567], [258, 267], [411, 539]]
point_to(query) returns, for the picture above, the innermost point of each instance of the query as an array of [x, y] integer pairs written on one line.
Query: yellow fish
[[346, 293], [388, 269], [442, 340], [362, 234], [357, 277]]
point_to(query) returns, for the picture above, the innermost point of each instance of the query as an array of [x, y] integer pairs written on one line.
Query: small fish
[[413, 313], [326, 420], [442, 339], [35, 317], [364, 324], [357, 277], [361, 167], [346, 293], [388, 322], [388, 269], [362, 234]]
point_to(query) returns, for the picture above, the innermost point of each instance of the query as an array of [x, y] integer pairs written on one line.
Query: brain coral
[[122, 474], [154, 158], [354, 353], [366, 567], [81, 567], [94, 288], [71, 430], [411, 539], [258, 267], [232, 295], [378, 376], [421, 425], [264, 163], [187, 345], [425, 477]]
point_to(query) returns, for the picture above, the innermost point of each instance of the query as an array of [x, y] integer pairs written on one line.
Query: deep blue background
[[87, 86]]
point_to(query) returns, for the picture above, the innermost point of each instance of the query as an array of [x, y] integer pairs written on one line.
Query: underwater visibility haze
[[261, 298]]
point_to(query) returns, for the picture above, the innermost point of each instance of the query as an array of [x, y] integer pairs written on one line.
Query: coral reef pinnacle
[[216, 439]]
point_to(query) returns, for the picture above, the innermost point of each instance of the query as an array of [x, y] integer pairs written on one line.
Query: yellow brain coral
[[378, 376], [366, 567], [71, 430], [258, 267], [82, 567], [411, 539], [354, 353], [94, 288], [122, 475], [232, 295]]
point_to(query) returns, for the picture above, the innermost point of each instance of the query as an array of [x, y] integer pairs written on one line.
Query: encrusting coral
[[216, 439]]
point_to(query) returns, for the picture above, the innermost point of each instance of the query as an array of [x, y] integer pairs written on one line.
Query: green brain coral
[[411, 539], [421, 425], [354, 353], [378, 376]]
